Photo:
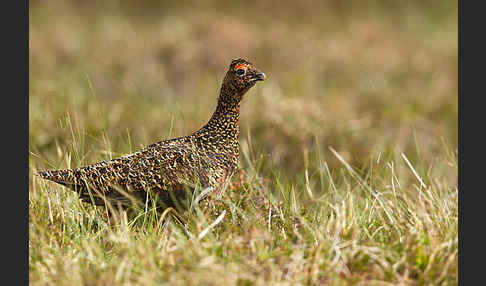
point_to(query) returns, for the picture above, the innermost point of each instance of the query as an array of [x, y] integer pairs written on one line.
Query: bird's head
[[241, 76]]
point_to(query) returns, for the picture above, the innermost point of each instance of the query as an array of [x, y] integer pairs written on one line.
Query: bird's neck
[[223, 128]]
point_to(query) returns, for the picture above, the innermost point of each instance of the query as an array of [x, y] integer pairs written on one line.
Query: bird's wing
[[158, 167]]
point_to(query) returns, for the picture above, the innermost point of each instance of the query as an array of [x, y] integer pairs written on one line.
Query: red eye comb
[[241, 66]]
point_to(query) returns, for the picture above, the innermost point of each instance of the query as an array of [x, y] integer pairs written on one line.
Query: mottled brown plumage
[[208, 157]]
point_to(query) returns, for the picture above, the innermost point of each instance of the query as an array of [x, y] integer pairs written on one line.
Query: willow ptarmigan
[[208, 157]]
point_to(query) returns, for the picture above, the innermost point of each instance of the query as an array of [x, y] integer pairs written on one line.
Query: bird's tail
[[58, 176]]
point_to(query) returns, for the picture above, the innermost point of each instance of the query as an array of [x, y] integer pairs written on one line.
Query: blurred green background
[[369, 78]]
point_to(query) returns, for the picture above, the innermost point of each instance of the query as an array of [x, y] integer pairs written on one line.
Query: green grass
[[348, 171]]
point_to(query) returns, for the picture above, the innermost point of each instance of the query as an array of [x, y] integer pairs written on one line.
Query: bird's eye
[[241, 69], [241, 72]]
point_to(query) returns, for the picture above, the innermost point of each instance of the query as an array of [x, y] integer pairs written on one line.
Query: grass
[[348, 171]]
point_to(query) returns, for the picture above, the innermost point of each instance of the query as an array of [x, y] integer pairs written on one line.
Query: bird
[[207, 157]]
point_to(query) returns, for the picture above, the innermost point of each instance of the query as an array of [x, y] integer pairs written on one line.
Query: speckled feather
[[208, 156]]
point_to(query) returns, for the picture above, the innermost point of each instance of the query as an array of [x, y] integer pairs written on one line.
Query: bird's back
[[169, 165]]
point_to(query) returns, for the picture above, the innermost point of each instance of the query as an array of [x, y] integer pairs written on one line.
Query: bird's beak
[[258, 76]]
